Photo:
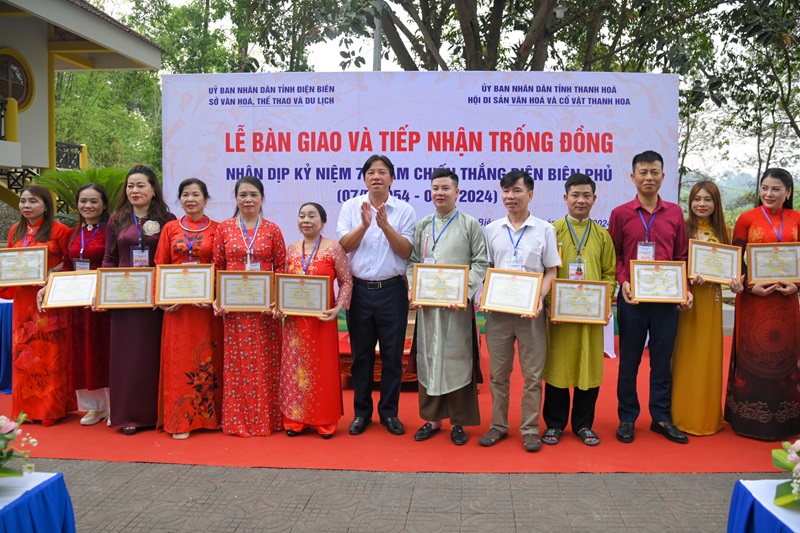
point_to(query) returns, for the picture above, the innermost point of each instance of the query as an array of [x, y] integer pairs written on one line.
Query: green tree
[[634, 35], [760, 67], [116, 114], [763, 56]]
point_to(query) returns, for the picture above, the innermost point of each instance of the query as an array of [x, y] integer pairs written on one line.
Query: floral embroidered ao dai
[[763, 397], [311, 393], [252, 354], [39, 340], [190, 388]]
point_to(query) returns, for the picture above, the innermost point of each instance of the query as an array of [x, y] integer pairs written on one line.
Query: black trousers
[[635, 321], [556, 412], [377, 315]]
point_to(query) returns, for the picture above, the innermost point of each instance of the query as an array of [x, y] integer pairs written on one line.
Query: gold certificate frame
[[70, 289], [511, 291], [244, 291], [659, 281], [773, 262], [716, 263], [580, 301], [184, 284], [124, 288], [301, 295], [440, 285], [23, 266]]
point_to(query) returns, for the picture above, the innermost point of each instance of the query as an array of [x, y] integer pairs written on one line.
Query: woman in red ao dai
[[39, 356], [190, 389], [252, 355], [311, 394]]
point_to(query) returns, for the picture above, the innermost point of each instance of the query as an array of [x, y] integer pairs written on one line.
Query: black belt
[[376, 285]]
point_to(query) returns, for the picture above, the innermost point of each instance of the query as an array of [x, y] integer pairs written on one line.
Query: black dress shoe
[[359, 425], [458, 436], [425, 432], [293, 433], [393, 425], [669, 430], [625, 432]]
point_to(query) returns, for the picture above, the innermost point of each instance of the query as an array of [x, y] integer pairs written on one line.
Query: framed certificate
[[716, 263], [23, 266], [124, 288], [303, 295], [773, 262], [244, 291], [184, 284], [70, 289], [659, 281], [579, 301], [440, 285], [511, 291]]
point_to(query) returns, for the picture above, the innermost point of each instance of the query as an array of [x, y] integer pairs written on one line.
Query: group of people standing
[[189, 367], [180, 367]]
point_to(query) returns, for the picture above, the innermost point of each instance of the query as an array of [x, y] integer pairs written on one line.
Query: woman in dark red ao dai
[[252, 353], [131, 241], [89, 332]]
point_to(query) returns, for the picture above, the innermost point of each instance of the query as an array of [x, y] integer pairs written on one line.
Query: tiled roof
[[108, 18]]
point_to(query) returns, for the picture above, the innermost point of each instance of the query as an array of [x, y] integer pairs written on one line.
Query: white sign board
[[307, 135]]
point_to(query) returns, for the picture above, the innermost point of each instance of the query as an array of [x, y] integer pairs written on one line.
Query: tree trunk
[[591, 36], [493, 31], [398, 47], [467, 11], [537, 39]]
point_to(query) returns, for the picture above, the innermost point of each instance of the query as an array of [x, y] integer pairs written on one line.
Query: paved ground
[[141, 497]]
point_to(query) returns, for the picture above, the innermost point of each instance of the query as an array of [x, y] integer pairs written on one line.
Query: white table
[[753, 509], [35, 502]]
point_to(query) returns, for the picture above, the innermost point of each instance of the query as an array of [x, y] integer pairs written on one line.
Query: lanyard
[[33, 237], [85, 242], [246, 236], [138, 231], [310, 257], [583, 237], [646, 225], [778, 236], [515, 244], [186, 230], [433, 229]]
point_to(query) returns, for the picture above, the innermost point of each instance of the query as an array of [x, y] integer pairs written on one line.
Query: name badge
[[140, 258], [515, 263], [81, 264], [429, 261], [576, 271], [646, 251], [252, 266]]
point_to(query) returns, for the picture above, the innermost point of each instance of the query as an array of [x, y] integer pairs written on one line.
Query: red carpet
[[377, 450]]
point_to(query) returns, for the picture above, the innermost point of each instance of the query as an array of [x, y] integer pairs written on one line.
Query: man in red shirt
[[647, 228]]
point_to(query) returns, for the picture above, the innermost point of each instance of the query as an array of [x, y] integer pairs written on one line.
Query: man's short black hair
[[512, 177], [579, 179], [444, 173], [648, 156], [374, 158]]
